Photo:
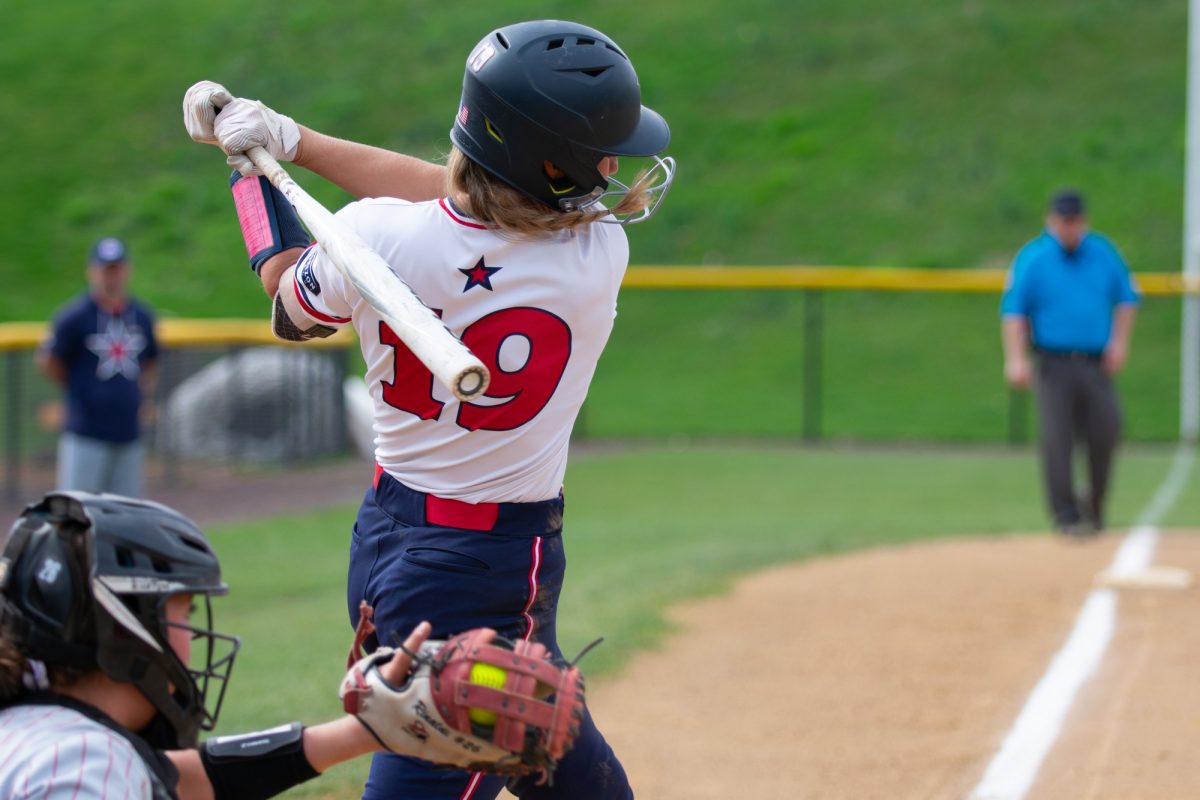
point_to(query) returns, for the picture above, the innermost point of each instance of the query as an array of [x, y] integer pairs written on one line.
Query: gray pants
[[1076, 400], [91, 465]]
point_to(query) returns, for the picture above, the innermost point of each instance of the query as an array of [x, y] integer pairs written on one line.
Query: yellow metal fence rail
[[184, 332], [180, 333], [884, 279]]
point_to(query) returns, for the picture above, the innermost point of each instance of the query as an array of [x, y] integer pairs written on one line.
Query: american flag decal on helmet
[[462, 115]]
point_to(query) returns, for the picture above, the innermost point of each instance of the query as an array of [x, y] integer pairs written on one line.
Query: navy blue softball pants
[[417, 557]]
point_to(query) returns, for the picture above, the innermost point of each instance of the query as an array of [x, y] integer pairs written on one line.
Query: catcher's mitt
[[477, 702]]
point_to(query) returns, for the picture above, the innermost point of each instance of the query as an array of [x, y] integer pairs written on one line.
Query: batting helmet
[[559, 92], [84, 580]]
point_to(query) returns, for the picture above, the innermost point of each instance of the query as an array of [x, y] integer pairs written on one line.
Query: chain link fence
[[224, 401]]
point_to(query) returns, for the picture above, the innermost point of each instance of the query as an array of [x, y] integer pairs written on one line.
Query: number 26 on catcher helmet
[[564, 93]]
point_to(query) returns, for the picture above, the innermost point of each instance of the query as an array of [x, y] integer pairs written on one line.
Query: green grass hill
[[864, 133]]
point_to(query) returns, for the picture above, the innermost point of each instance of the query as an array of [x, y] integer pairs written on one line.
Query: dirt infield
[[896, 673]]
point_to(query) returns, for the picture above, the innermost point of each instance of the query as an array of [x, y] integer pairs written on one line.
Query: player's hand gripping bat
[[414, 322]]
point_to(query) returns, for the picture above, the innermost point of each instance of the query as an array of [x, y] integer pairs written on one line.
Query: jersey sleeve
[[314, 295], [1014, 302], [63, 340], [320, 289], [312, 301], [149, 326], [1128, 292], [1125, 287]]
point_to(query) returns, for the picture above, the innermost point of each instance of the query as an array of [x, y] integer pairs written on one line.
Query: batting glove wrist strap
[[269, 222]]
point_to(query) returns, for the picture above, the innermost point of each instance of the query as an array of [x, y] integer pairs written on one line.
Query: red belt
[[455, 513]]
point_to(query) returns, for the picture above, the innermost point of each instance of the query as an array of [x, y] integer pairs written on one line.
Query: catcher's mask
[[84, 581], [559, 92]]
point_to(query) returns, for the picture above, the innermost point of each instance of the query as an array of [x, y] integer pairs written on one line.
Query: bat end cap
[[471, 383]]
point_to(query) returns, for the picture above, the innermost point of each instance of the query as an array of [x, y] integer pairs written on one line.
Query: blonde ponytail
[[496, 204]]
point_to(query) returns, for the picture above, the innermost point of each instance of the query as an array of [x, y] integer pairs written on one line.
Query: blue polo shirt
[[1068, 298], [104, 354]]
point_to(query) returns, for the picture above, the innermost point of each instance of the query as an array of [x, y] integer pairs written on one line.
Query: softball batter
[[518, 244]]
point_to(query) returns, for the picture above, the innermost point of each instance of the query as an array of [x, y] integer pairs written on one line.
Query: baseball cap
[[109, 250], [1067, 203]]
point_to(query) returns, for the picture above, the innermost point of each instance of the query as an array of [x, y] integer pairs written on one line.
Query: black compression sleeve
[[255, 766]]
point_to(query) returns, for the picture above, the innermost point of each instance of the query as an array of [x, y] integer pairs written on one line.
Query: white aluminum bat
[[414, 322]]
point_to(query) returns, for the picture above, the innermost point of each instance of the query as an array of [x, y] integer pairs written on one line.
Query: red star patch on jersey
[[479, 275]]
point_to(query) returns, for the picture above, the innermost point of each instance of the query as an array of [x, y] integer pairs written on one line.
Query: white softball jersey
[[55, 752], [536, 312]]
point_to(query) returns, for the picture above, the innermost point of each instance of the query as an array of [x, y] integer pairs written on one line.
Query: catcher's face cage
[[559, 92], [135, 647], [86, 579]]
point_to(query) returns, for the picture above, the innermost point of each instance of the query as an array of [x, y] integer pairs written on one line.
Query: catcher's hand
[[477, 702]]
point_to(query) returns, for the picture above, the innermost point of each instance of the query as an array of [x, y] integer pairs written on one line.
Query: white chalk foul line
[[1016, 764]]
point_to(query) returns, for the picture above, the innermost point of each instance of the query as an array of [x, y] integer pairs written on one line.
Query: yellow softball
[[493, 677]]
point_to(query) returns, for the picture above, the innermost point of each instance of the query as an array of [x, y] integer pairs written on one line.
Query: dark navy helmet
[[560, 92], [84, 581]]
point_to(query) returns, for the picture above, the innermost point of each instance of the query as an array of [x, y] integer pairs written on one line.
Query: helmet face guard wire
[[211, 665], [661, 175]]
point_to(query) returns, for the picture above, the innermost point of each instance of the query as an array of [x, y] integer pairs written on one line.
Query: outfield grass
[[895, 366], [646, 527]]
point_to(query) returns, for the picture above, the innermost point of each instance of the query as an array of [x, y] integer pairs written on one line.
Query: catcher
[[104, 679]]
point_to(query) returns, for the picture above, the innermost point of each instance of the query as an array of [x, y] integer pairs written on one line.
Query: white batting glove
[[243, 124], [201, 103]]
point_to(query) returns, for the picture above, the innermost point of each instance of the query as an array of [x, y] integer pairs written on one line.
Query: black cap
[[109, 250], [1067, 203]]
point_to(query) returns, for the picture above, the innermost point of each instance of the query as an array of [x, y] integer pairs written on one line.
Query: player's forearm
[[1014, 333], [148, 377], [342, 739], [51, 366], [366, 171], [274, 268], [1122, 325]]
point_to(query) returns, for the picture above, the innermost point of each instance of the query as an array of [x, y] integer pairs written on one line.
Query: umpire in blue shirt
[[1070, 298]]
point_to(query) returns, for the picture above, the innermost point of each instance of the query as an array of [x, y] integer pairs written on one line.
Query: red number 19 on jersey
[[522, 392]]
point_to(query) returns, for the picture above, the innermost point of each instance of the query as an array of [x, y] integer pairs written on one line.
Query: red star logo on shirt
[[479, 275], [117, 348]]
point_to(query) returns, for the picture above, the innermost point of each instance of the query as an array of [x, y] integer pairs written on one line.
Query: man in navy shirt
[[1070, 295], [102, 350]]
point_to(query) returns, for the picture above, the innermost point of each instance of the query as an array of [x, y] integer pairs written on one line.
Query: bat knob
[[471, 383]]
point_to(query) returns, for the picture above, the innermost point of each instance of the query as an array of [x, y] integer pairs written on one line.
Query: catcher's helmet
[[84, 580], [560, 92]]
